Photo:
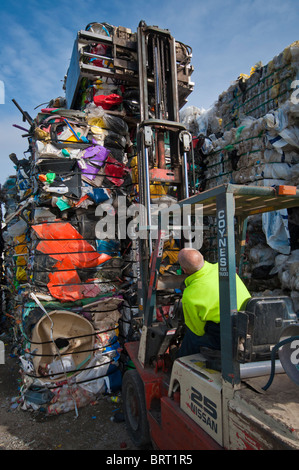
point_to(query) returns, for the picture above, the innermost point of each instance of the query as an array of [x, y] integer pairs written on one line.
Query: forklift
[[244, 396]]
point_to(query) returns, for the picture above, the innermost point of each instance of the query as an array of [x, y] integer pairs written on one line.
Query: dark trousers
[[192, 343]]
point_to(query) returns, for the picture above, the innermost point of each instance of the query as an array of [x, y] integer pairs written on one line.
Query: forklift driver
[[200, 302]]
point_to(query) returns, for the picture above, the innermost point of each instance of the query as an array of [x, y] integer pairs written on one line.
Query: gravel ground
[[92, 429]]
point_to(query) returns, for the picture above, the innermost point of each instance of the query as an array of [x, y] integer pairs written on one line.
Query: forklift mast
[[162, 147]]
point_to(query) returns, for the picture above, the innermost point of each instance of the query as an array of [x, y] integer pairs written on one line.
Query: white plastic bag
[[93, 379], [275, 228]]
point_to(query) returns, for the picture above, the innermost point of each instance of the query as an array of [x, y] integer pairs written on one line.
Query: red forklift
[[244, 396]]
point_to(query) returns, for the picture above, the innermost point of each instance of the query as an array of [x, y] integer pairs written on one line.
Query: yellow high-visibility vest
[[201, 297]]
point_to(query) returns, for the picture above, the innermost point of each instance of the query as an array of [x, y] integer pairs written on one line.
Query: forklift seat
[[261, 323], [257, 329]]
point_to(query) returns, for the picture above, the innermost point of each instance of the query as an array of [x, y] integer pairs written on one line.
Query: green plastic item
[[50, 177], [62, 204]]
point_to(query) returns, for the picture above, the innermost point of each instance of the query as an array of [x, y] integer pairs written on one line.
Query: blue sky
[[227, 38]]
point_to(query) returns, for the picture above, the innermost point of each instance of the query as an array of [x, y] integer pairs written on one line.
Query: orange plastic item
[[63, 241], [64, 284], [65, 244], [287, 190]]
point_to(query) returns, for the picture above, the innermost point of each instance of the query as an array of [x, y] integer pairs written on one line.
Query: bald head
[[190, 260]]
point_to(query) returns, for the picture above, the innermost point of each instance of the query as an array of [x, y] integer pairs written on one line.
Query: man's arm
[[192, 314]]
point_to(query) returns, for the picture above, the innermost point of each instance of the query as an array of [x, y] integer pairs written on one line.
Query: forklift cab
[[220, 400]]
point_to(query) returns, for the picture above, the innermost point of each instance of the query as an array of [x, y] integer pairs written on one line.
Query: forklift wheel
[[135, 409]]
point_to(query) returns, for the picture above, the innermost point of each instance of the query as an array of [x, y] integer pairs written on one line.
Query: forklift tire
[[135, 409]]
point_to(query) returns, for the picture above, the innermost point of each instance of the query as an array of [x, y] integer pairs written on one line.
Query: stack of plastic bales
[[69, 262], [260, 152], [251, 136], [66, 272], [265, 89]]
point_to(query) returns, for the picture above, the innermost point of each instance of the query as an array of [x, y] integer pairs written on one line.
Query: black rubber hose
[[273, 353]]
